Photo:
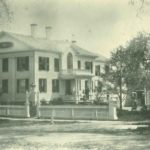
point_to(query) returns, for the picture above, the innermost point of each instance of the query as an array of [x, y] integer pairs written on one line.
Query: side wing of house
[[16, 68]]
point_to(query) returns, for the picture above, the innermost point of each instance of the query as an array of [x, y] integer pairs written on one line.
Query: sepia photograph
[[74, 74]]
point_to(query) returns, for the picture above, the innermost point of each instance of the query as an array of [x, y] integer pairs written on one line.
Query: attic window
[[6, 44]]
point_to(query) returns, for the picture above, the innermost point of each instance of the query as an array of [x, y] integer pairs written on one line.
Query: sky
[[97, 25]]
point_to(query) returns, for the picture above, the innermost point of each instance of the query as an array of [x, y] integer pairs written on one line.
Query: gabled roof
[[49, 45], [101, 58]]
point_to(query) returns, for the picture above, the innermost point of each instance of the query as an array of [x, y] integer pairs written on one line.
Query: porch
[[77, 86]]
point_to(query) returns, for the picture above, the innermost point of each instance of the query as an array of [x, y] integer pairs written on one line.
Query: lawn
[[42, 135]]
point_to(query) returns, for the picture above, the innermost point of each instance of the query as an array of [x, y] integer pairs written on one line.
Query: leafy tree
[[116, 72], [128, 66], [135, 75]]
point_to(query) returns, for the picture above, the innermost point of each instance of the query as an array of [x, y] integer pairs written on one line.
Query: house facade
[[47, 69]]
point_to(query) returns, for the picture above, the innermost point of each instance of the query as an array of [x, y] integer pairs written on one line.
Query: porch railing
[[75, 72]]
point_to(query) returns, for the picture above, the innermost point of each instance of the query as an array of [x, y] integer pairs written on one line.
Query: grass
[[42, 135], [125, 115]]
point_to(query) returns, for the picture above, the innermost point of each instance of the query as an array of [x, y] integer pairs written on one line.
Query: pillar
[[76, 91], [113, 110], [38, 113], [27, 105]]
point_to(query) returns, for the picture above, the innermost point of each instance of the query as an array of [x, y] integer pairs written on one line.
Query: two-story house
[[56, 68]]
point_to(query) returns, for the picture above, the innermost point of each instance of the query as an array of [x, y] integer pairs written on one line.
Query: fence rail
[[14, 111], [78, 112], [74, 112]]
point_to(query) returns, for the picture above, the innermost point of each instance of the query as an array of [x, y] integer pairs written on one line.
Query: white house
[[56, 68]]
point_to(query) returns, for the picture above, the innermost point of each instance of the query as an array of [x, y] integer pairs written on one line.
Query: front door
[[68, 87]]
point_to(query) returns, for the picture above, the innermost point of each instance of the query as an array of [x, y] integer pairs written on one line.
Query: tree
[[135, 62], [116, 72], [6, 14], [128, 65]]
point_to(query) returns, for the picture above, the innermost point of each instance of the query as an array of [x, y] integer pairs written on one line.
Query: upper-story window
[[5, 86], [89, 66], [5, 64], [44, 63], [69, 61], [79, 64], [56, 65], [97, 70], [22, 63], [22, 85]]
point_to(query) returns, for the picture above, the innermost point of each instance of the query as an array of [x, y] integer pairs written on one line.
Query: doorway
[[68, 87]]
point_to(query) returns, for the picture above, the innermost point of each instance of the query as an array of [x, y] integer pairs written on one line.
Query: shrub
[[57, 101], [44, 102]]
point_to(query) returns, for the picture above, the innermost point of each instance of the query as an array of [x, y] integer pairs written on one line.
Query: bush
[[44, 102], [57, 101], [98, 102]]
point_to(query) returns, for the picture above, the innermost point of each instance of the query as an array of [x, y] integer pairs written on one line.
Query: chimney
[[34, 30], [74, 42], [73, 39], [48, 32]]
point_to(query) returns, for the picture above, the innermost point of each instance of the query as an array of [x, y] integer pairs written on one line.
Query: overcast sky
[[98, 25]]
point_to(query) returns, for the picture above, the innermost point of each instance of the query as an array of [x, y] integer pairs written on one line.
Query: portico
[[77, 85]]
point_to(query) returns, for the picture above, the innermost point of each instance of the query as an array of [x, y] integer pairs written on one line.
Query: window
[[89, 66], [97, 70], [43, 85], [22, 63], [86, 84], [56, 65], [5, 86], [106, 68], [5, 64], [22, 85], [44, 63], [69, 61], [55, 85], [79, 64], [79, 84]]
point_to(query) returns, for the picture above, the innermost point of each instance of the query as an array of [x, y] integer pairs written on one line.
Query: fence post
[[7, 111], [38, 114], [96, 115], [27, 107], [72, 113], [112, 110], [52, 117]]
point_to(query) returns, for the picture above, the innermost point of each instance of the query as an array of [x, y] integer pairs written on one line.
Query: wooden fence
[[78, 112], [14, 111], [73, 112]]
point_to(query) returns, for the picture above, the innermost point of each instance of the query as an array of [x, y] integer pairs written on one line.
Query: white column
[[112, 110], [76, 92], [27, 105], [38, 106]]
